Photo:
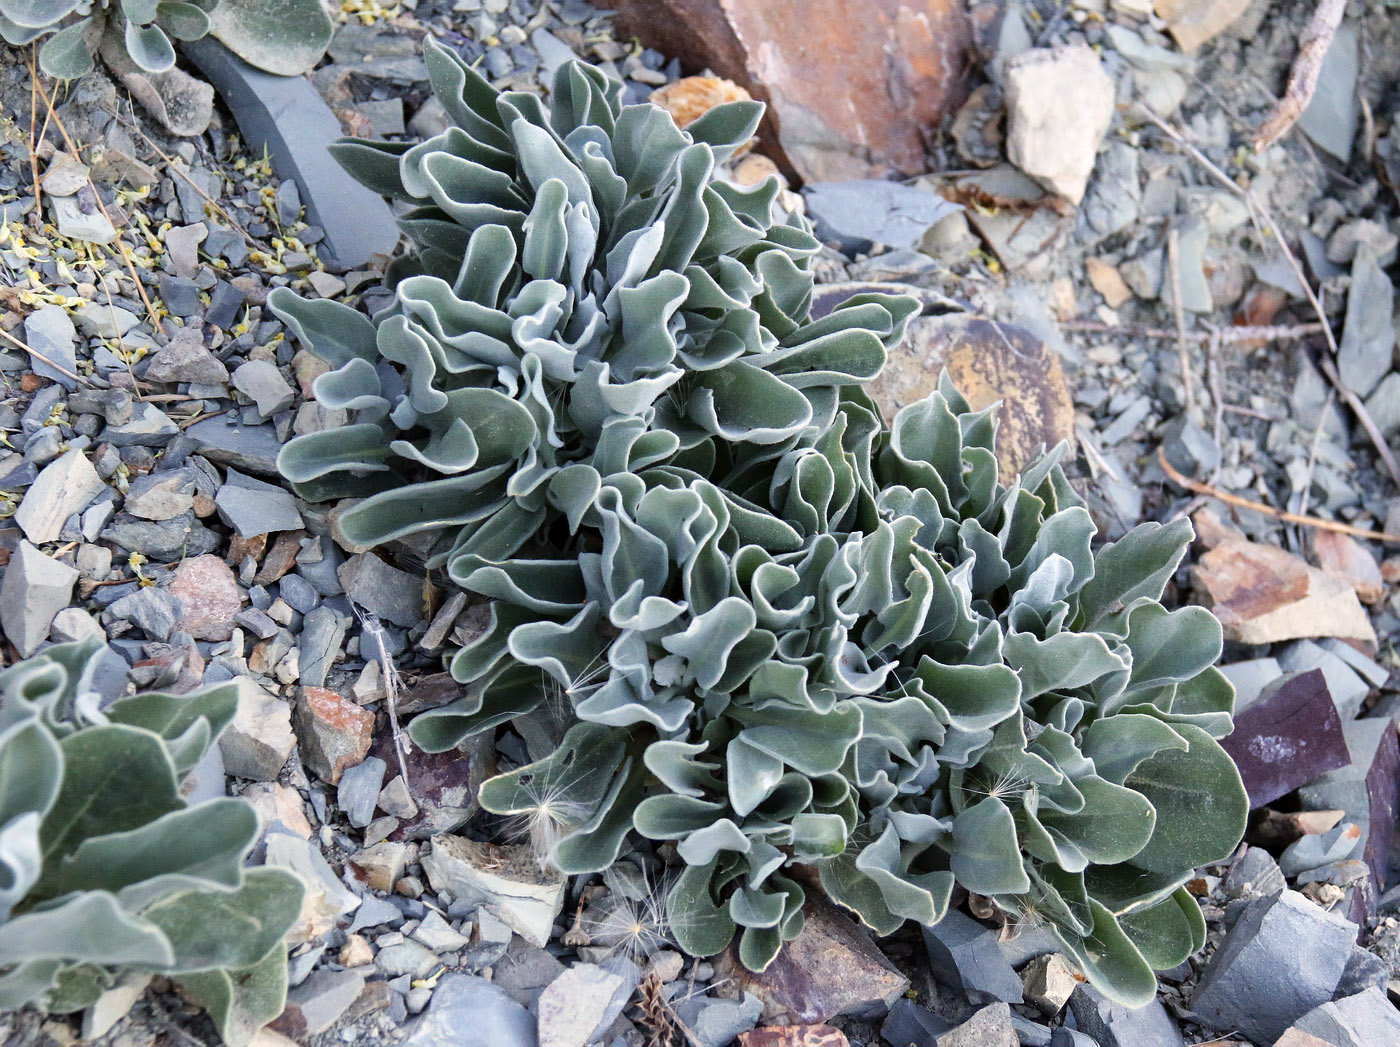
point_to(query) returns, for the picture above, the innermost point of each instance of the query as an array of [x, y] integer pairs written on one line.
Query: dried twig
[[1197, 487], [1363, 416], [1226, 335], [1183, 354], [1302, 82], [379, 646], [41, 357]]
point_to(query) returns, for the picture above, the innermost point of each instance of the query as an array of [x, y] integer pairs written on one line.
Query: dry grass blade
[[1181, 480], [1226, 335], [1302, 81]]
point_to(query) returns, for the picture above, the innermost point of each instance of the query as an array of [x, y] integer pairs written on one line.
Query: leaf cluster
[[105, 868]]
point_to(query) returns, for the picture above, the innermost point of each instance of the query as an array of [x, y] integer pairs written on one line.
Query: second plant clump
[[761, 624]]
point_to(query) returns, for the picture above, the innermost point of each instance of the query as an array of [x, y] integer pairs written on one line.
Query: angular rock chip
[[1286, 737], [1263, 594]]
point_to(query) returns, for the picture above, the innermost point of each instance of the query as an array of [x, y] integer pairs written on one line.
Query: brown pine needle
[[1320, 524]]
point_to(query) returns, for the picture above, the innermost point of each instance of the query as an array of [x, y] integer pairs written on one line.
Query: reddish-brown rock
[[208, 596], [831, 968], [1349, 560], [855, 87], [332, 732], [1264, 594]]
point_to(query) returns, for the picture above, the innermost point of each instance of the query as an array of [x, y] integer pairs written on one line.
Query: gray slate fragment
[[1283, 957], [223, 439], [185, 359], [1348, 690], [49, 330], [162, 540], [65, 486], [718, 1023], [35, 588], [1366, 1019], [872, 211], [909, 1025], [322, 998], [467, 1011], [262, 382], [989, 1027], [225, 305], [964, 954], [1330, 117], [149, 427], [252, 507], [358, 790], [1193, 236], [1114, 1025], [161, 496], [1364, 970], [152, 609], [180, 295], [285, 115], [1367, 348], [322, 633], [383, 590]]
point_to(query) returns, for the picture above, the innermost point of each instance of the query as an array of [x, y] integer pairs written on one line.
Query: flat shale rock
[[1283, 957], [901, 65], [965, 955], [988, 362], [1113, 1025], [65, 486], [1287, 737], [35, 588], [1367, 789], [1366, 1019], [832, 968], [1263, 594], [467, 1011], [505, 879]]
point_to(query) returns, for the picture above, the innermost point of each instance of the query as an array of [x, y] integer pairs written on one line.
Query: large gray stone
[[1283, 957], [1367, 1019], [857, 214], [909, 1025], [964, 954], [1114, 1025], [34, 589], [383, 590], [223, 439], [989, 1027], [252, 507], [467, 1011], [65, 487], [286, 116]]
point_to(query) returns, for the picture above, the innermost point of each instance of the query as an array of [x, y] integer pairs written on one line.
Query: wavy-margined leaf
[[1117, 744], [115, 778], [1168, 932], [704, 927], [67, 55], [1111, 960], [986, 857], [1137, 566], [222, 929], [287, 37], [90, 927], [204, 845], [241, 1002], [1201, 804], [149, 47]]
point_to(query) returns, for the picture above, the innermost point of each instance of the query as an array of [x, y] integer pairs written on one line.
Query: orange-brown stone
[[855, 87], [333, 733]]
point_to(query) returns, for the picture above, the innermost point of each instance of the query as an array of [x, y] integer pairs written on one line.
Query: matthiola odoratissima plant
[[774, 631]]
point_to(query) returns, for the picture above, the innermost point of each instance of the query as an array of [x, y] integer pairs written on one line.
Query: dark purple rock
[[286, 115], [443, 785], [1367, 789], [1287, 737]]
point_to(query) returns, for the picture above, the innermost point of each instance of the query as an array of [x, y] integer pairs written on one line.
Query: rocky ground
[[142, 505]]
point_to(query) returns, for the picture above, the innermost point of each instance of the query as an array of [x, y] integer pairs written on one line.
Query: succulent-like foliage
[[105, 868], [585, 301], [282, 36], [900, 672], [778, 631]]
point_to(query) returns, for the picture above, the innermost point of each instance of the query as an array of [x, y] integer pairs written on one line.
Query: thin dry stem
[[1178, 478], [1302, 82]]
